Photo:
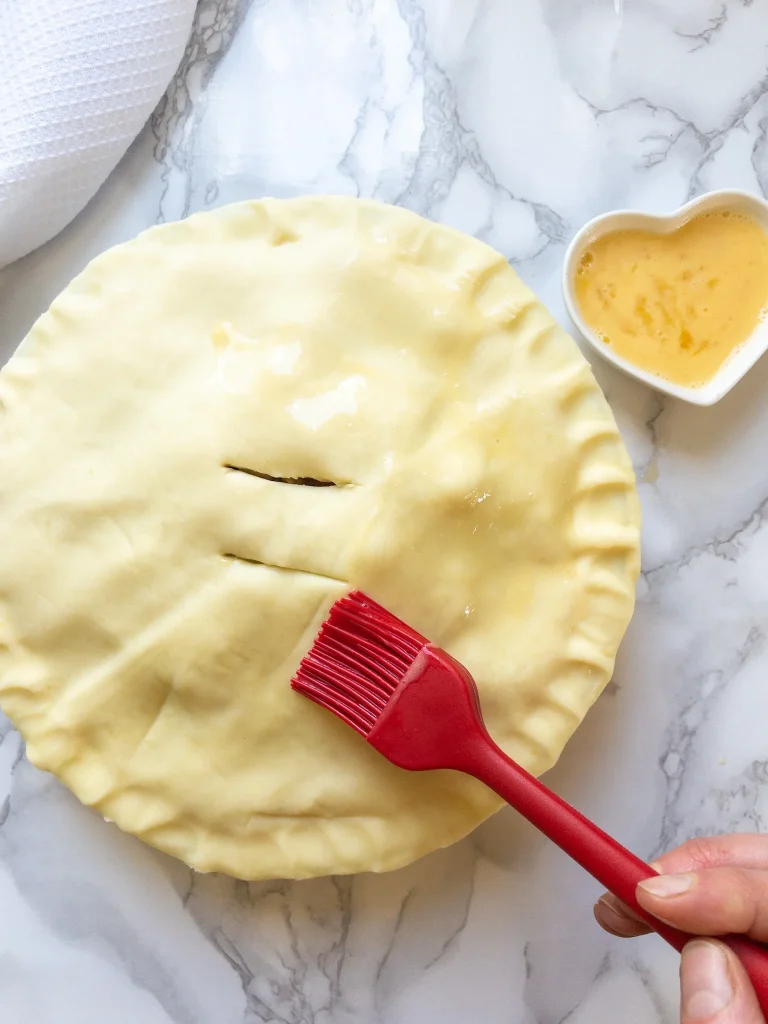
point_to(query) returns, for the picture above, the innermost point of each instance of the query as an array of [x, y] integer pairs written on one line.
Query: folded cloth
[[78, 80]]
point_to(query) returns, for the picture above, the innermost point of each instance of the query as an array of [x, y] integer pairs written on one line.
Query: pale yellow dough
[[154, 603]]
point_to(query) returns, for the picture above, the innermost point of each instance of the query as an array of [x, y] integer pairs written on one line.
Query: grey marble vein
[[702, 691], [176, 118], [705, 36], [726, 546], [446, 145]]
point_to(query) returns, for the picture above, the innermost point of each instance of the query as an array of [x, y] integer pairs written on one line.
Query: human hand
[[707, 887]]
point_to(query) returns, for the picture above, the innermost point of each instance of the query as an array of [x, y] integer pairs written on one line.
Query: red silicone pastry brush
[[419, 708]]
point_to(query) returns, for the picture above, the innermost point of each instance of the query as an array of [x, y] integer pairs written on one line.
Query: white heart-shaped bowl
[[741, 359]]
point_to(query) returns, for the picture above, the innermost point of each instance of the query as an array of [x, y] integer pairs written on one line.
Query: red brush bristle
[[357, 660]]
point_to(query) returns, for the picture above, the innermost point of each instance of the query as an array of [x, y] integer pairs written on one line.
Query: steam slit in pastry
[[230, 557], [301, 481]]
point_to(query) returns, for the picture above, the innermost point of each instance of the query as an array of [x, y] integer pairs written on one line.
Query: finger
[[616, 918], [745, 849], [714, 988], [710, 902]]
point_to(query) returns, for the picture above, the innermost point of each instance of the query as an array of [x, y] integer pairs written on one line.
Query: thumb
[[714, 987], [715, 901]]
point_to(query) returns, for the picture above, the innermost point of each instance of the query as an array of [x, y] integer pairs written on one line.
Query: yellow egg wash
[[678, 304]]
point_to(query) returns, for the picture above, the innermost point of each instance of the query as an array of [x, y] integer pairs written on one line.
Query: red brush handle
[[433, 720], [606, 860]]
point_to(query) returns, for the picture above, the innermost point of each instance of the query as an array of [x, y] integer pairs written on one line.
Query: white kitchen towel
[[78, 80]]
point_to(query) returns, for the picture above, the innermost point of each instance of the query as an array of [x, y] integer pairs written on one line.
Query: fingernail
[[706, 982], [611, 904], [614, 920], [665, 886]]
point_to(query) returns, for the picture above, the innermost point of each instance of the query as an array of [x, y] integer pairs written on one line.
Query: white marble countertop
[[515, 120]]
